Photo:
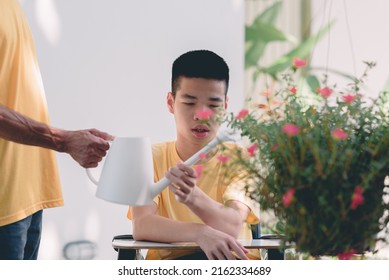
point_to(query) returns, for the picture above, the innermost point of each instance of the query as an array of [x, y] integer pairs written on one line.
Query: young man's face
[[194, 95]]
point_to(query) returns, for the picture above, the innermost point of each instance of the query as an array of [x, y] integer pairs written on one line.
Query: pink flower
[[198, 170], [203, 156], [251, 150], [339, 134], [223, 159], [288, 197], [349, 98], [291, 129], [324, 92], [204, 115], [298, 62], [346, 255], [357, 198], [242, 114], [293, 90]]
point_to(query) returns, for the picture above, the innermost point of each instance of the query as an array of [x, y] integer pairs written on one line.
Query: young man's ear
[[226, 103], [170, 102]]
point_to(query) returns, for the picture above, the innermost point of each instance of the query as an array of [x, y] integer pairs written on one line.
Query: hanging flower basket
[[319, 162]]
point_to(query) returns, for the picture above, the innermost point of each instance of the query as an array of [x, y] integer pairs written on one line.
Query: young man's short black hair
[[199, 64]]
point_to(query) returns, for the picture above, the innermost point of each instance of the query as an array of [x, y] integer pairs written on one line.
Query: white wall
[[106, 64], [359, 34]]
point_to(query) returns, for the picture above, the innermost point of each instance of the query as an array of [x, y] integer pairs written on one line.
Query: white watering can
[[127, 176]]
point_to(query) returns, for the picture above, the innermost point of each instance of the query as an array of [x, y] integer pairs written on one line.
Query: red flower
[[293, 90], [357, 198], [298, 62], [291, 129], [223, 159], [288, 197], [348, 98], [324, 92], [251, 150], [242, 114], [346, 255], [339, 134], [204, 115]]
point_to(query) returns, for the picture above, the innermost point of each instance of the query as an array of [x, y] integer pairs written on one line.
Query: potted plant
[[319, 161]]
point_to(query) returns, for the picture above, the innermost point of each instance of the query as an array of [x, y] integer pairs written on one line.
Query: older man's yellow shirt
[[29, 179]]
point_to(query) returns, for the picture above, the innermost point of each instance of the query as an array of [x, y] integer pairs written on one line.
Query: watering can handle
[[90, 176], [89, 173]]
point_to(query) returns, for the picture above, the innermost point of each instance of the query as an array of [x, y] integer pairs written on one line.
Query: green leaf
[[270, 14], [257, 39], [313, 82], [266, 33], [262, 31], [253, 54], [300, 51], [256, 74]]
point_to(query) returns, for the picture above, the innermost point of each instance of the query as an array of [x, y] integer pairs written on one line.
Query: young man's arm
[[147, 225], [87, 147], [227, 218]]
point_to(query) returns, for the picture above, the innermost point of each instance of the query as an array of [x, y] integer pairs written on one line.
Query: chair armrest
[[123, 236], [125, 254]]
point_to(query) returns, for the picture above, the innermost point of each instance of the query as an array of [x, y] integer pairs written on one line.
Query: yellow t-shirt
[[218, 184], [29, 178]]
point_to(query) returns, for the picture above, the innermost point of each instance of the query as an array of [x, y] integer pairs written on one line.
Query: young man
[[210, 209], [29, 180]]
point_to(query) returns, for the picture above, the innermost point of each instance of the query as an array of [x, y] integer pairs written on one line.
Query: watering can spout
[[225, 135], [128, 172], [159, 186]]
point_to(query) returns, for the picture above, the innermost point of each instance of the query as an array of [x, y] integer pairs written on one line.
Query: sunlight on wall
[[48, 20]]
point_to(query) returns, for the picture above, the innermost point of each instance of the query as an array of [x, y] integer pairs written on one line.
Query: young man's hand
[[183, 182], [218, 245]]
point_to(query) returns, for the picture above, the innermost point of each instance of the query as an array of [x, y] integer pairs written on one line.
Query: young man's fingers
[[187, 169], [173, 187], [180, 196], [176, 172], [177, 182], [239, 250], [229, 255], [209, 256], [189, 182], [180, 178], [172, 177], [219, 255]]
